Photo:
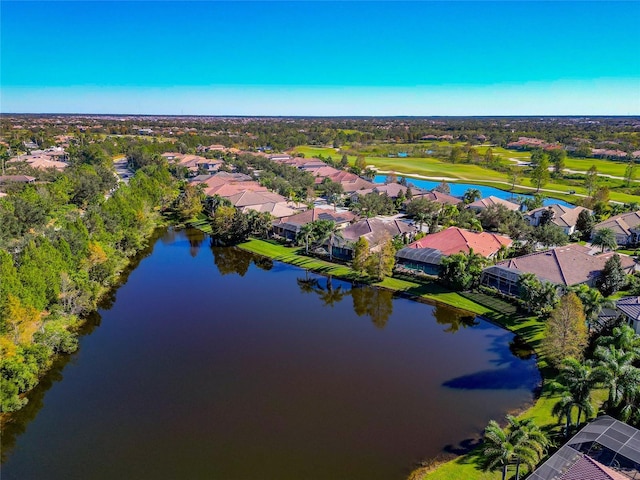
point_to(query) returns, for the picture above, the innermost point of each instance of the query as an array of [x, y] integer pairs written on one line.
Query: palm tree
[[498, 448], [471, 195], [331, 234], [615, 369], [575, 382], [592, 301], [531, 442], [605, 238], [623, 337], [306, 234]]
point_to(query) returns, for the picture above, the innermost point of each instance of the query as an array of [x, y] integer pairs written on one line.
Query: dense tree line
[[62, 245]]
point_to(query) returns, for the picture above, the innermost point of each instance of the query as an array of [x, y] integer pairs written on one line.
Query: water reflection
[[231, 260], [454, 319], [196, 238], [376, 303]]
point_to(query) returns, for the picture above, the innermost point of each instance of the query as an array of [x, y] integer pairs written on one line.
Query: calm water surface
[[215, 364], [458, 190]]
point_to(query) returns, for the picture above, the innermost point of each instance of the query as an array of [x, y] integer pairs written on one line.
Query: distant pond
[[458, 189], [212, 363]]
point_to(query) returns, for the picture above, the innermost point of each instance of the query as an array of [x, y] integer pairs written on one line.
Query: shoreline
[[83, 322], [528, 329]]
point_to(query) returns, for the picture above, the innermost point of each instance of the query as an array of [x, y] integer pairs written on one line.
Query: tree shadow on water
[[514, 372]]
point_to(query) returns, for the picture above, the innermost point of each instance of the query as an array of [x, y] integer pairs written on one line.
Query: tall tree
[[613, 367], [498, 448], [540, 174], [612, 277], [531, 442], [630, 172], [584, 224], [591, 180], [380, 264], [566, 330], [360, 255]]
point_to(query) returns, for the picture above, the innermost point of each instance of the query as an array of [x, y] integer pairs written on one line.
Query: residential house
[[393, 190], [426, 254], [16, 179], [564, 266], [277, 205], [193, 163], [289, 227], [487, 202], [562, 216], [376, 231], [625, 226], [438, 197], [629, 307], [604, 449]]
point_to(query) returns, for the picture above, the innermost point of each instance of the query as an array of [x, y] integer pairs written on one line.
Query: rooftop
[[456, 240]]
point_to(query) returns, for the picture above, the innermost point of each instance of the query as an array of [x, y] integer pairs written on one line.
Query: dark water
[[459, 189], [219, 365]]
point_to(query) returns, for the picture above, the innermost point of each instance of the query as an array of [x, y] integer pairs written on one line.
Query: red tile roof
[[456, 240], [586, 468]]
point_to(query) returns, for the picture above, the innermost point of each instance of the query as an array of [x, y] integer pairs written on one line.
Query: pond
[[458, 189], [214, 363]]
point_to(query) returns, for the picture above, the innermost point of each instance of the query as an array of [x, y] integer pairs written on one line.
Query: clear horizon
[[321, 58]]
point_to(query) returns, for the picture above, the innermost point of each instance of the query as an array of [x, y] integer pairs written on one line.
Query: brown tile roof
[[491, 200], [229, 189], [376, 230], [621, 224], [568, 265], [456, 240], [439, 197], [247, 198], [314, 214], [563, 216]]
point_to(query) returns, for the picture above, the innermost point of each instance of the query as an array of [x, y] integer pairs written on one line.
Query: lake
[[458, 189], [214, 363]]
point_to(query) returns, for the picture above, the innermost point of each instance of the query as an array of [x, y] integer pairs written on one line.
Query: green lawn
[[465, 173]]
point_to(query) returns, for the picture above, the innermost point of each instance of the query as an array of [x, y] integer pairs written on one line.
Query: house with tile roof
[[288, 227], [564, 266], [604, 449], [563, 216], [625, 226], [458, 240], [487, 202], [376, 231], [629, 307], [425, 255], [439, 197]]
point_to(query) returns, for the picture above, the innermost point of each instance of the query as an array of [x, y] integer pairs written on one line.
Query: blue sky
[[321, 58]]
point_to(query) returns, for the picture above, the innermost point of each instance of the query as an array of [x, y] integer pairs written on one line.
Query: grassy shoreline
[[503, 314]]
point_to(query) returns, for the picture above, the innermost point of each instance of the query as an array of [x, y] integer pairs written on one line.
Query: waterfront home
[[438, 197], [625, 226], [426, 254], [289, 227], [564, 266], [490, 201], [264, 201], [350, 182], [393, 190], [376, 231], [604, 449], [563, 216]]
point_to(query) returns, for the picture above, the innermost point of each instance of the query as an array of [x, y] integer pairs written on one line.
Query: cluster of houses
[[54, 157]]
